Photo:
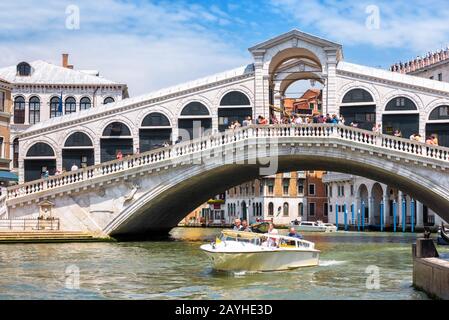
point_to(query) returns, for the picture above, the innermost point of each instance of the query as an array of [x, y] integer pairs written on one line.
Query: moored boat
[[443, 235], [313, 226], [246, 251]]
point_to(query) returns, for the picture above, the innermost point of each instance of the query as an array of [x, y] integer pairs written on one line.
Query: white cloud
[[415, 25], [145, 45]]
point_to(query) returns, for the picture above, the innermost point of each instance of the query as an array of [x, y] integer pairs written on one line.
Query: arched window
[[156, 119], [108, 100], [19, 110], [40, 149], [300, 209], [195, 109], [440, 113], [116, 129], [271, 209], [285, 209], [85, 103], [235, 98], [401, 104], [24, 69], [15, 150], [70, 105], [78, 139], [54, 107], [35, 110], [357, 96]]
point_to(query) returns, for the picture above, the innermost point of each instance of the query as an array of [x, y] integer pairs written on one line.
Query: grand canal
[[176, 269]]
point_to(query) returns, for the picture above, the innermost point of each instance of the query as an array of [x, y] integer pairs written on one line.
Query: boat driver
[[294, 234]]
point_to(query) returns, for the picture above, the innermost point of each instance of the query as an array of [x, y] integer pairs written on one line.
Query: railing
[[29, 224], [342, 132]]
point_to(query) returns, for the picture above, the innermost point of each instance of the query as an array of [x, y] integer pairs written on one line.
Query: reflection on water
[[177, 269]]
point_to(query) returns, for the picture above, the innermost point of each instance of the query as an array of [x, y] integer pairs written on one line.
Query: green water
[[177, 269]]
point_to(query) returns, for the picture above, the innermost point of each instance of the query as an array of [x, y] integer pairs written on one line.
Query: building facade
[[43, 91], [5, 140]]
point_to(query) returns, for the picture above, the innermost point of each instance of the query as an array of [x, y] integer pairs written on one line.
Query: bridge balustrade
[[210, 142]]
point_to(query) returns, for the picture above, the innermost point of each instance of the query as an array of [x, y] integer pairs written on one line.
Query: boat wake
[[328, 263]]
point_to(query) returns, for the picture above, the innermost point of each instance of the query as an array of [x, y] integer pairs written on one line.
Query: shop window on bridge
[[234, 106], [78, 150], [407, 123], [357, 96], [116, 140], [438, 125], [235, 98], [155, 131], [401, 104], [195, 121], [40, 149], [358, 107], [195, 109], [40, 161]]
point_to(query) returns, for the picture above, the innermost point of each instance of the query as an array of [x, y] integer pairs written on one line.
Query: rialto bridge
[[121, 197]]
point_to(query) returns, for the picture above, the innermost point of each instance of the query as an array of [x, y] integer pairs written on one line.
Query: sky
[[152, 44]]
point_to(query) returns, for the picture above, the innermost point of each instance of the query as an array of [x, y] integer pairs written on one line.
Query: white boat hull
[[314, 229], [269, 260]]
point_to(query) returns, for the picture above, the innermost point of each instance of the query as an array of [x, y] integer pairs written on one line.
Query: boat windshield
[[253, 240]]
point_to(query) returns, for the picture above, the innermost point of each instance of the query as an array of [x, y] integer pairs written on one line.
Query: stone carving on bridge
[[130, 196], [45, 209]]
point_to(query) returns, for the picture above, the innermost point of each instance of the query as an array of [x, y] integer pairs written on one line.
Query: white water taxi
[[246, 251], [312, 226]]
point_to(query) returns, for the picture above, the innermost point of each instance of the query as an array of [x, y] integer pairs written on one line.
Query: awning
[[8, 176]]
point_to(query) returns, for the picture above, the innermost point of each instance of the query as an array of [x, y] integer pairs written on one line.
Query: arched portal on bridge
[[155, 130], [234, 106], [401, 114], [116, 138], [40, 160], [438, 125], [290, 71], [195, 120], [78, 150], [358, 107]]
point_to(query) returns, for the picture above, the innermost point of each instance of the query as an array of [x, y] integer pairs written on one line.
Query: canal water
[[177, 269]]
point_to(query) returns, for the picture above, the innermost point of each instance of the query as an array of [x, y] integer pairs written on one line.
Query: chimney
[[65, 61]]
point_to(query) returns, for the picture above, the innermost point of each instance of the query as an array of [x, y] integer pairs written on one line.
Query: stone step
[[56, 236]]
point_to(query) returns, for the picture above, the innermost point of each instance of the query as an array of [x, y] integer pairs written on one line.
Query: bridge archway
[[154, 131], [116, 138], [194, 121], [78, 150], [287, 67], [234, 106], [438, 125], [358, 106], [401, 113], [377, 194], [40, 159]]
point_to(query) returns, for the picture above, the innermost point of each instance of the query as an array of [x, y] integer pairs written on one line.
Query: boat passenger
[[294, 234], [272, 242], [245, 226], [237, 225]]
